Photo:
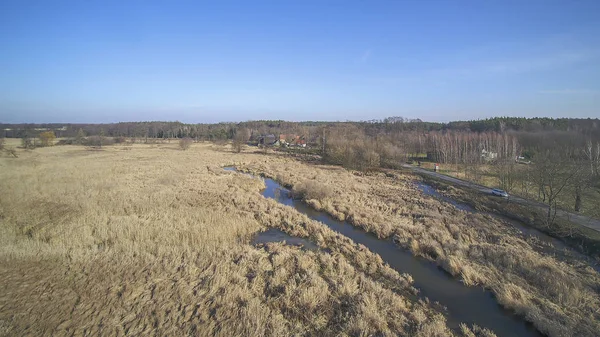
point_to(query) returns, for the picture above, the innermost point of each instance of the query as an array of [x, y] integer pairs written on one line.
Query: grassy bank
[[150, 239], [580, 238], [559, 297]]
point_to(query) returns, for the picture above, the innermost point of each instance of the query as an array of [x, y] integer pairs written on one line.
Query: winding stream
[[471, 305]]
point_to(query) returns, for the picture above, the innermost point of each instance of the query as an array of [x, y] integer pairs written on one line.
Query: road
[[579, 219]]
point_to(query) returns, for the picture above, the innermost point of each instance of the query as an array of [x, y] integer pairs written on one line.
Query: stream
[[471, 305]]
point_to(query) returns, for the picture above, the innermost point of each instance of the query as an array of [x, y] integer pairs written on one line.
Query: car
[[500, 193]]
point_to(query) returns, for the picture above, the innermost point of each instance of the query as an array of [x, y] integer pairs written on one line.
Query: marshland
[[133, 238], [300, 168]]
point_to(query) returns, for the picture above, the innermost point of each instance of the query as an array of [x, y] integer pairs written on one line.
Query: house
[[298, 142], [287, 139], [292, 140], [282, 140], [269, 140]]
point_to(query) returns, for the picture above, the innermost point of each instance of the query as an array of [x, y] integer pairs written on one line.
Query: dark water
[[471, 305]]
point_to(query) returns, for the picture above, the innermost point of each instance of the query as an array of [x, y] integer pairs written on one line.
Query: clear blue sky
[[105, 61]]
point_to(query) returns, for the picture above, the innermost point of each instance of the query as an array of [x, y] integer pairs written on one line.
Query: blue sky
[[195, 61]]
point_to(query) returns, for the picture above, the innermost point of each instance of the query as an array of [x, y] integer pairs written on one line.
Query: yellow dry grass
[[152, 240], [561, 298]]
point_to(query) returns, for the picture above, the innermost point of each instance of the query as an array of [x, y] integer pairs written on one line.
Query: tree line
[[161, 129], [563, 154]]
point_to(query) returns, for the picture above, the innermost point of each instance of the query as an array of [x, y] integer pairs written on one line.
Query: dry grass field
[[556, 291], [153, 240]]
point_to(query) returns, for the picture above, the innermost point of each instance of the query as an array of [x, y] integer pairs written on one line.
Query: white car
[[500, 193]]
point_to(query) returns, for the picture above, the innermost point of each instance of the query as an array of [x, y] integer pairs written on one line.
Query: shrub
[[311, 189], [220, 141], [80, 137], [12, 152], [47, 138], [67, 141], [185, 143], [28, 142], [120, 140], [237, 144], [98, 141], [239, 139]]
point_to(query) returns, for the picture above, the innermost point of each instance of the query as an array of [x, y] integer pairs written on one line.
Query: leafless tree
[[80, 137], [592, 154], [240, 139], [506, 171], [554, 172]]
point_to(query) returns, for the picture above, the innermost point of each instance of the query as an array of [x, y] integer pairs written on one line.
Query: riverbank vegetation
[[151, 239], [557, 291], [583, 239]]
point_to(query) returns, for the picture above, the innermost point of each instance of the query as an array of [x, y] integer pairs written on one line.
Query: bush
[[47, 138], [311, 189], [237, 144], [28, 143], [11, 151], [98, 141], [185, 143], [67, 141], [220, 141], [120, 140]]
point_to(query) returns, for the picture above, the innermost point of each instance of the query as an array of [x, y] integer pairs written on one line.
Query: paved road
[[573, 217]]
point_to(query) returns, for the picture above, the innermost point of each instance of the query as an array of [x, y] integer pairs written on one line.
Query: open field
[[149, 239], [556, 291]]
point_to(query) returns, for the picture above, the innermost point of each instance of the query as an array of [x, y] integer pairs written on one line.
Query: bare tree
[[101, 137], [587, 162], [506, 171], [27, 142], [592, 153], [240, 139], [580, 182], [80, 137], [553, 173]]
